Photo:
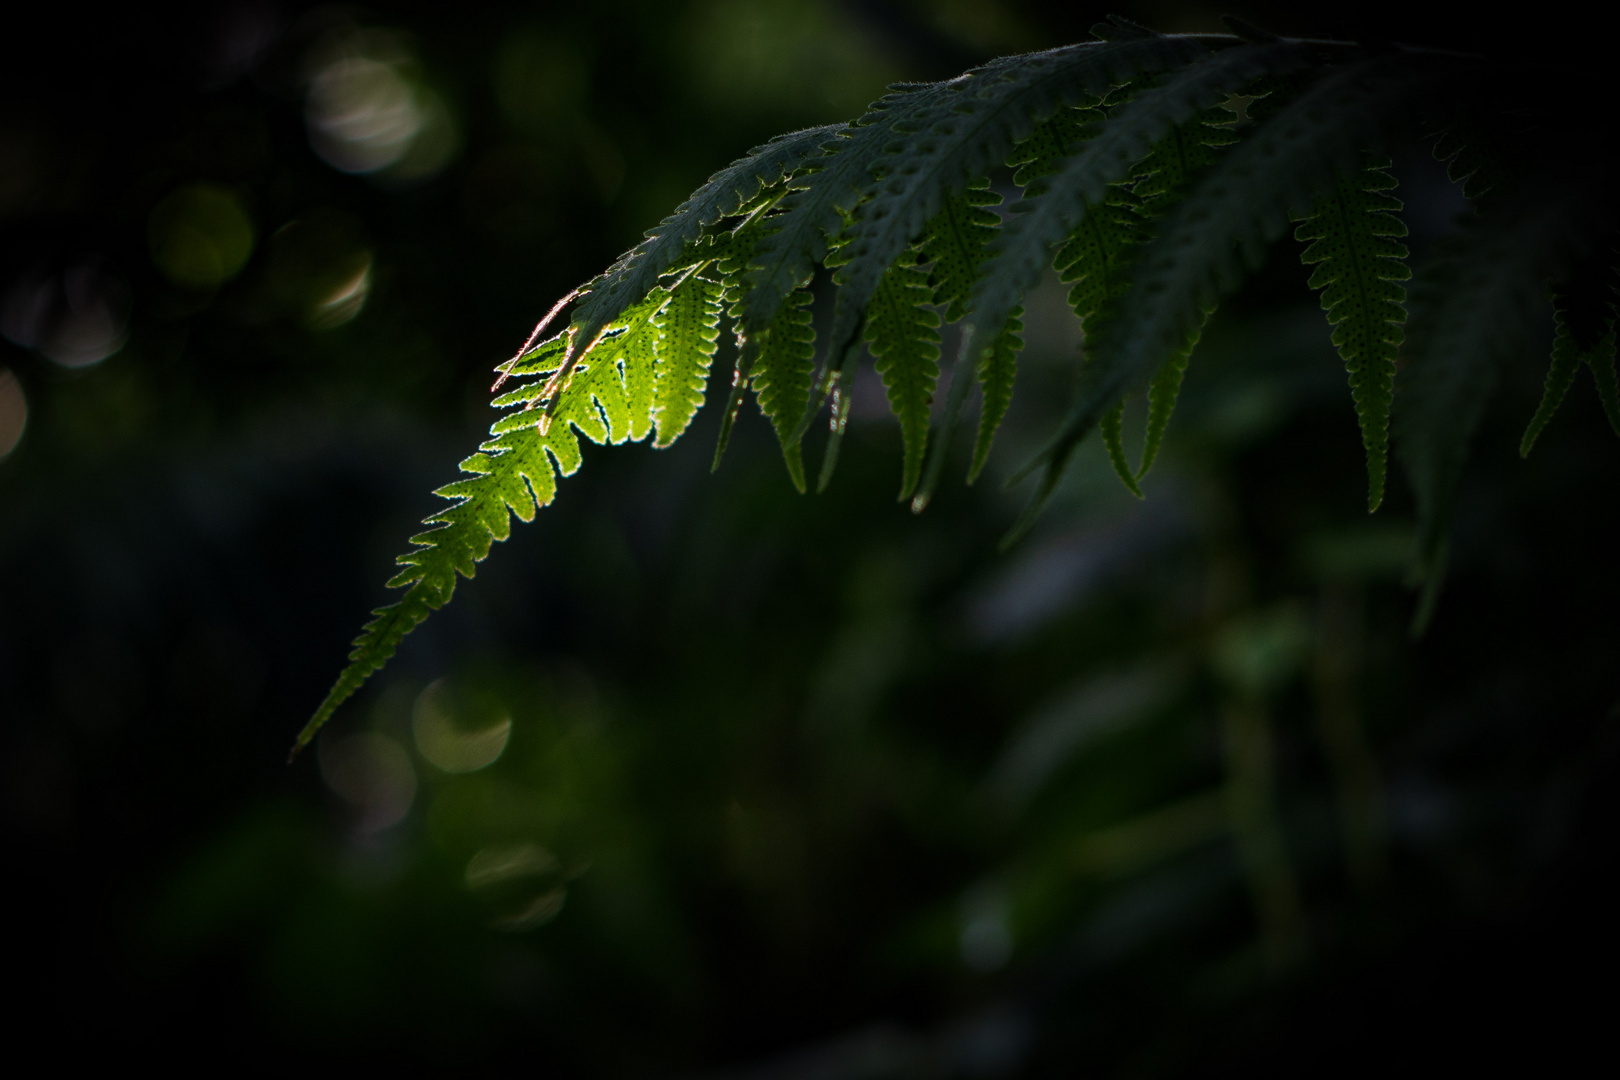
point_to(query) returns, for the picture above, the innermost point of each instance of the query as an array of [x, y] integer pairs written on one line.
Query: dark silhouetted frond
[[1215, 234], [1152, 196]]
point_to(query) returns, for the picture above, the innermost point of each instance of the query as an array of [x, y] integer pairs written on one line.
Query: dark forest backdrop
[[699, 775]]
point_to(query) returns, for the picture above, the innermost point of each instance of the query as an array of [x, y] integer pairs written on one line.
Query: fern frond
[[956, 245], [1222, 227], [1162, 394], [690, 333], [972, 127], [515, 472], [1359, 264], [725, 194], [1471, 311], [781, 376], [1165, 175], [901, 331], [1051, 212]]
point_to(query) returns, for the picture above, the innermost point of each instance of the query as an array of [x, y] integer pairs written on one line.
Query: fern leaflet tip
[[1355, 232], [1111, 427]]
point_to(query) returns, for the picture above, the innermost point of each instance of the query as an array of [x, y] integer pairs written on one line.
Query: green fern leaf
[[957, 244], [901, 331], [781, 376], [1359, 263], [924, 144], [970, 128], [1184, 154], [813, 215], [1164, 176], [515, 472], [1223, 226], [1093, 260], [1162, 393], [1471, 160], [997, 369], [1569, 352], [690, 333], [1128, 192], [1054, 208], [738, 248]]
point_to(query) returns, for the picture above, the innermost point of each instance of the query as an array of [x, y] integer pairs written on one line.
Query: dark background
[[828, 789]]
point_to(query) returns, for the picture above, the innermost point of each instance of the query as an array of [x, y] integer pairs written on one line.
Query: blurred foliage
[[703, 775]]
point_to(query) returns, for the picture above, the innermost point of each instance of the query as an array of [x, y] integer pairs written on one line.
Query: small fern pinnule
[[1360, 261], [690, 333]]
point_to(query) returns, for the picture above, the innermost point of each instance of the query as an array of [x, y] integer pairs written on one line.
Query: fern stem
[[505, 369], [836, 424]]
